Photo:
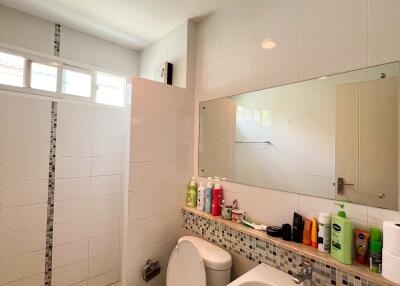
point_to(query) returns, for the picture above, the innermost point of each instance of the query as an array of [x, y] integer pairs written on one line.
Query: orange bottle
[[314, 233], [307, 232]]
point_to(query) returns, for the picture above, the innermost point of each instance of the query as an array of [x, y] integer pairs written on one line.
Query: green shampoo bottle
[[342, 237]]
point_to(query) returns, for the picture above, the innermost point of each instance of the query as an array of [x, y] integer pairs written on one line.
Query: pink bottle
[[216, 200]]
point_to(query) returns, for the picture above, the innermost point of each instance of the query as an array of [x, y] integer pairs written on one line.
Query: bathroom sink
[[264, 275]]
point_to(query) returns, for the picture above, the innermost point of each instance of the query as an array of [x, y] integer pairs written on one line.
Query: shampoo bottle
[[208, 196], [307, 232], [341, 237], [324, 232], [192, 194], [314, 233], [200, 197], [216, 200]]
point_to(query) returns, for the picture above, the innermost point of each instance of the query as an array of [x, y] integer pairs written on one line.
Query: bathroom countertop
[[312, 253]]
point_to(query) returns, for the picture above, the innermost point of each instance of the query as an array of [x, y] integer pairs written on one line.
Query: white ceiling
[[131, 23]]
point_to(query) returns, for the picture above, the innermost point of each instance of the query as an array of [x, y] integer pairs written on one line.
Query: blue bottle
[[208, 196]]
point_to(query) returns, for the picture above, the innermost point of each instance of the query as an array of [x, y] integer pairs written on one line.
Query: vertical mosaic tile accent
[[57, 39], [50, 198], [260, 251]]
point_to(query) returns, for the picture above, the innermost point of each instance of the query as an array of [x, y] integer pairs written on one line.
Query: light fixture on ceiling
[[268, 44], [322, 77]]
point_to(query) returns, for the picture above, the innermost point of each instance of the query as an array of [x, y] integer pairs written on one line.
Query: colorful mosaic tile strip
[[260, 251], [50, 198]]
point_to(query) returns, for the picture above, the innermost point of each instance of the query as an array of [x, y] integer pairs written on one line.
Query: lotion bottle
[[314, 233], [200, 197], [342, 237], [324, 232], [192, 194], [208, 196]]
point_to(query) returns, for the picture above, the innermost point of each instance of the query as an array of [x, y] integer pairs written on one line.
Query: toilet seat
[[186, 266]]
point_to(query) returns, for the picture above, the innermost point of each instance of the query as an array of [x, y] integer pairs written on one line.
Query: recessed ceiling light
[[268, 44]]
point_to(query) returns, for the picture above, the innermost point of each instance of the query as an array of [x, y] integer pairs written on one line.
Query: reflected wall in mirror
[[334, 137]]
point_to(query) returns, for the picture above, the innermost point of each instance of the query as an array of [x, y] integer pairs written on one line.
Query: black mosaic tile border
[[57, 39], [50, 198], [260, 251]]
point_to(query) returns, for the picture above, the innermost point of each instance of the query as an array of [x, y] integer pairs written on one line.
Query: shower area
[[61, 183], [90, 192]]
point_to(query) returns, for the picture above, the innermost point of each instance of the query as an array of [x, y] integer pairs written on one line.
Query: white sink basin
[[264, 275]]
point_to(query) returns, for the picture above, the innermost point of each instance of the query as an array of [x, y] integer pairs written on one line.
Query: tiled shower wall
[[24, 162], [87, 194], [89, 176], [161, 161]]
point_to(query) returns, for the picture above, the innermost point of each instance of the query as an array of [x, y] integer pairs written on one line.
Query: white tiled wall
[[88, 191], [172, 48], [314, 38], [24, 138], [88, 195], [161, 161]]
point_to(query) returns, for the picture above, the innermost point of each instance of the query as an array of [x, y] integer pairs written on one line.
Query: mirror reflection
[[334, 137]]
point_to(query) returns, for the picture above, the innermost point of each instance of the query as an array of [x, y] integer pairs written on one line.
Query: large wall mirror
[[334, 137]]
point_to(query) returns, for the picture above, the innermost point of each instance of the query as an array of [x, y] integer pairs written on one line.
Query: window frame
[[125, 90], [26, 88], [28, 72], [61, 64], [79, 70], [23, 72]]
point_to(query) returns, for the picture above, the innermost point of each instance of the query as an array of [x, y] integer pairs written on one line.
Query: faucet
[[304, 275]]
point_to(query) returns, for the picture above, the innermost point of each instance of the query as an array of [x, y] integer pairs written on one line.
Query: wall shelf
[[355, 269]]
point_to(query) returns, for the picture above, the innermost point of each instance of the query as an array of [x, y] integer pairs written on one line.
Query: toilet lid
[[185, 266]]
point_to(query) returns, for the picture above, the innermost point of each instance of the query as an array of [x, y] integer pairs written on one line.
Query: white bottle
[[200, 197], [324, 232]]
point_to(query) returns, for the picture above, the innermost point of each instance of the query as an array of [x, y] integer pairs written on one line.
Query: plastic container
[[216, 200], [314, 235], [297, 228], [342, 237], [208, 196], [307, 232], [200, 197], [361, 245], [324, 232], [192, 194], [375, 259]]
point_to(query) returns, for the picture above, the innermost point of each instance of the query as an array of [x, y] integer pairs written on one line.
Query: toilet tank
[[217, 261]]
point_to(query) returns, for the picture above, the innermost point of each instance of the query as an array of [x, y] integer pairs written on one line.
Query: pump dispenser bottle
[[341, 237]]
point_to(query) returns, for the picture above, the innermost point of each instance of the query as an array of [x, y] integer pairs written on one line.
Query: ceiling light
[[322, 77], [268, 44]]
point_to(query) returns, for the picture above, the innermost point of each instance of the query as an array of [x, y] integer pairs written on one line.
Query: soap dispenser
[[341, 237]]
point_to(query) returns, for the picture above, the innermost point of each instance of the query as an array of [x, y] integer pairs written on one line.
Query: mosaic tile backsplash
[[260, 251]]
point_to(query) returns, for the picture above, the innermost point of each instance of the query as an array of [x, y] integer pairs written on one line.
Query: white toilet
[[197, 262]]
